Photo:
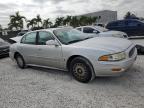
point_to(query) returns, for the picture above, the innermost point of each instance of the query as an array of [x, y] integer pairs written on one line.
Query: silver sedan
[[69, 49]]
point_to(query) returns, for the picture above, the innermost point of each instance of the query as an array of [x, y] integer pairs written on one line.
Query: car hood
[[113, 32], [104, 43]]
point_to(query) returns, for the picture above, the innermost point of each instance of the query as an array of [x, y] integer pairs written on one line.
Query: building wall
[[106, 16]]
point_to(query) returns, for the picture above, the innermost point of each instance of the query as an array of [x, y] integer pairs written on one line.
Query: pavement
[[35, 87]]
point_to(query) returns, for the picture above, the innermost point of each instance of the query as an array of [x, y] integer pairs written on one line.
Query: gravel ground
[[44, 88]]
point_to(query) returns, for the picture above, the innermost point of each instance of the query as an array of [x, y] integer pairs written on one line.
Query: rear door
[[28, 48]]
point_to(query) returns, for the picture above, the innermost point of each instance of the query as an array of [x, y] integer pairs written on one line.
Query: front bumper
[[115, 68]]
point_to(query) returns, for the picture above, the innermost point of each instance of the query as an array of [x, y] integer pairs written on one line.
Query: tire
[[81, 69], [140, 49], [20, 61]]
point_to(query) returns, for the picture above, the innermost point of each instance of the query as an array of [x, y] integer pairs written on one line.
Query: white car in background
[[71, 50], [18, 37], [101, 31]]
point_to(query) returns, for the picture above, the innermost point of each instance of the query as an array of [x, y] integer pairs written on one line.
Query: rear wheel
[[81, 69], [20, 61]]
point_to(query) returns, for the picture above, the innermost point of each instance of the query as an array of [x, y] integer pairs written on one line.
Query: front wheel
[[20, 61], [81, 69]]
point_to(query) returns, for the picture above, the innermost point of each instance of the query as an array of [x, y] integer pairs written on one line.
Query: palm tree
[[67, 20], [83, 20], [130, 15], [38, 20], [94, 19], [74, 21], [16, 21], [47, 23], [59, 21], [31, 23]]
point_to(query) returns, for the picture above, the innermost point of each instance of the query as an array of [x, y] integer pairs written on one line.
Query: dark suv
[[132, 27]]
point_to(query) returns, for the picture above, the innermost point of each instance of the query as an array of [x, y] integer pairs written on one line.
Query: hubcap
[[79, 70]]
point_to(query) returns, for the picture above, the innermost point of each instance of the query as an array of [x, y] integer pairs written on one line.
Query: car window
[[43, 37], [29, 38], [79, 29], [88, 30]]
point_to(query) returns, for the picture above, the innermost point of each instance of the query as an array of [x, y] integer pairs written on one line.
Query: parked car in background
[[4, 48], [101, 31], [69, 49], [17, 38], [99, 24], [132, 27]]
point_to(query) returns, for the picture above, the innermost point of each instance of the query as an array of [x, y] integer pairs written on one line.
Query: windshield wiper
[[73, 41], [87, 38]]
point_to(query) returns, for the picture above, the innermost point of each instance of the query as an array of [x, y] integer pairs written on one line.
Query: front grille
[[131, 52]]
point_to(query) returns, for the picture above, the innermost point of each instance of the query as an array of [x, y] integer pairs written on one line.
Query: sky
[[54, 8]]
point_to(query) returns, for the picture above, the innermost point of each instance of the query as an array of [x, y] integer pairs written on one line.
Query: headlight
[[113, 57]]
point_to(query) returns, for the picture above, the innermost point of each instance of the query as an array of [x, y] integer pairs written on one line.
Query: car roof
[[125, 20], [85, 26], [95, 27]]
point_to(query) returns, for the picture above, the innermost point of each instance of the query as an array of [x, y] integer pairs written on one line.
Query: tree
[[47, 23], [94, 19], [74, 21], [31, 23], [38, 20], [67, 20], [59, 21], [130, 15], [16, 21], [83, 20]]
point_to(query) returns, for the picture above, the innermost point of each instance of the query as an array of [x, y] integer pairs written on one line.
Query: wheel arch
[[74, 56], [15, 54]]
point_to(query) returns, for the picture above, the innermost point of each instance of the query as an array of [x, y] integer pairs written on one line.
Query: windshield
[[101, 29], [68, 36]]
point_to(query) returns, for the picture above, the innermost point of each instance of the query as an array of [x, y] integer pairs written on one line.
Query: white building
[[104, 16]]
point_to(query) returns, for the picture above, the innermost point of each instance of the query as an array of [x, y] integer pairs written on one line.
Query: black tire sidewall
[[85, 62], [23, 65]]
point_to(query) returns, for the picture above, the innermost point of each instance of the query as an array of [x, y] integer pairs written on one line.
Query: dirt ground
[[44, 88]]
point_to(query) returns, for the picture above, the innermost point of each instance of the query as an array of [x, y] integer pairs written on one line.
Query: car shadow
[[123, 79]]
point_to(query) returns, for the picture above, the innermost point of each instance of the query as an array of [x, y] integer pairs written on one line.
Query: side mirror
[[95, 32], [52, 42]]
